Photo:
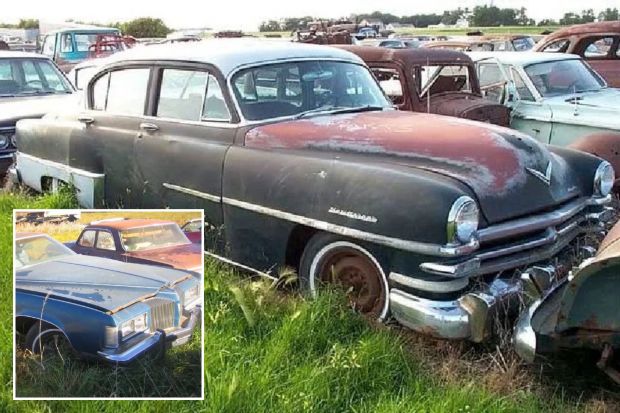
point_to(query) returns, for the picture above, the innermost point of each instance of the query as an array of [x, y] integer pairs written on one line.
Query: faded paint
[[603, 145]]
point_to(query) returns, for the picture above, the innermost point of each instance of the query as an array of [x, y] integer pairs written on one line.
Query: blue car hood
[[96, 282]]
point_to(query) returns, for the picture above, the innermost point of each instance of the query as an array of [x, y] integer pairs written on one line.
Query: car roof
[[588, 28], [123, 224], [521, 58], [93, 29], [230, 54], [9, 54], [407, 56]]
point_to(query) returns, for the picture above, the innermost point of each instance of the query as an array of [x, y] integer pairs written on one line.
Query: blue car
[[97, 307]]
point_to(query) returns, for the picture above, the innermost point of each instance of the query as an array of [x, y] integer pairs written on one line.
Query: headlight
[[462, 220], [190, 296], [604, 179], [5, 140], [133, 326]]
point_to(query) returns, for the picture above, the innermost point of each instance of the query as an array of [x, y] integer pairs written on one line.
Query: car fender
[[605, 145]]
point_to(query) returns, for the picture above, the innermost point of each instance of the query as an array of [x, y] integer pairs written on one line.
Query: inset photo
[[108, 304]]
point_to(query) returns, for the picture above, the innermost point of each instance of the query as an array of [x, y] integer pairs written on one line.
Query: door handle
[[150, 127], [85, 119]]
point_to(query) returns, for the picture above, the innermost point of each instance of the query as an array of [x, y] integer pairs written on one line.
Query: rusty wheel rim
[[358, 275]]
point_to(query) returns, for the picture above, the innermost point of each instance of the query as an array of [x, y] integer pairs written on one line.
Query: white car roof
[[521, 58], [230, 54], [9, 54]]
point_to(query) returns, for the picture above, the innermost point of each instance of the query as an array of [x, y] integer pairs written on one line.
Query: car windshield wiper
[[332, 110]]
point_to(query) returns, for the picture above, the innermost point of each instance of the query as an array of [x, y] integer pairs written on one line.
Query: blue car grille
[[162, 313]]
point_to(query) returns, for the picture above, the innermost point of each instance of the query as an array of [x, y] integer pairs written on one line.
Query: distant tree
[[484, 16], [270, 26], [450, 17], [28, 24], [144, 27], [548, 22], [609, 15], [421, 20]]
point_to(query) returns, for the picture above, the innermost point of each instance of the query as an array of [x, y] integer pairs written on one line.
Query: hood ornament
[[545, 177]]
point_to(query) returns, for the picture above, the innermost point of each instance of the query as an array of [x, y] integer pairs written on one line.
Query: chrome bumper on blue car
[[155, 342]]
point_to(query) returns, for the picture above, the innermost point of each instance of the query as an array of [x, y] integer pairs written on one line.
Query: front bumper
[[156, 342]]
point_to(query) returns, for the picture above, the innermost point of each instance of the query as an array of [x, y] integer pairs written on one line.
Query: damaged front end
[[581, 311]]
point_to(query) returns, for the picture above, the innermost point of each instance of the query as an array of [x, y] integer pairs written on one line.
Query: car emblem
[[546, 177]]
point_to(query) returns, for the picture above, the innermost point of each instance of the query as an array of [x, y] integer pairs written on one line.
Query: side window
[[215, 106], [127, 91], [559, 46], [48, 45], [105, 241], [492, 81], [389, 80], [100, 92], [181, 94], [598, 47], [66, 43], [522, 89], [87, 239]]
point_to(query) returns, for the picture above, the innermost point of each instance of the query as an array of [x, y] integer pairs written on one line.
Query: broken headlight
[[134, 326], [462, 220], [604, 178]]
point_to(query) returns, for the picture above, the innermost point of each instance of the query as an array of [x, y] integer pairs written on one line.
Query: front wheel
[[47, 340], [331, 259]]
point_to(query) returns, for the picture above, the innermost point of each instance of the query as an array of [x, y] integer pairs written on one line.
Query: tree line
[[479, 16]]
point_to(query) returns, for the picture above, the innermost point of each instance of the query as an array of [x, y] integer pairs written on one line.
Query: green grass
[[269, 350]]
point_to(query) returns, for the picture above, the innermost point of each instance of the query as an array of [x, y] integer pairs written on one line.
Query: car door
[[116, 107], [86, 242], [530, 114], [181, 146], [393, 81]]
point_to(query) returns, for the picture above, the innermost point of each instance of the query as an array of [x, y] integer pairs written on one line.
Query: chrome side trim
[[192, 192], [430, 286], [6, 156], [406, 245], [459, 270]]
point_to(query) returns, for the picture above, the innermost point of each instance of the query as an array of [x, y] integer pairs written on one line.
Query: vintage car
[[497, 43], [433, 81], [96, 307], [580, 311], [193, 230], [556, 98], [399, 44], [598, 43], [68, 47], [141, 241], [299, 160], [30, 86]]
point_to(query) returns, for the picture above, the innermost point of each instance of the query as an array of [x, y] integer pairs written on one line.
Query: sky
[[247, 15]]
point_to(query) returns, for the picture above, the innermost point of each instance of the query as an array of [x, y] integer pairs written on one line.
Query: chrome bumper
[[157, 341], [469, 318]]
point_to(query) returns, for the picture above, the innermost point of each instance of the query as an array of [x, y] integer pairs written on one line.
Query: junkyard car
[[399, 44], [598, 43], [98, 307], [142, 241], [30, 86], [435, 81], [298, 159], [193, 230], [580, 311], [557, 99], [505, 43]]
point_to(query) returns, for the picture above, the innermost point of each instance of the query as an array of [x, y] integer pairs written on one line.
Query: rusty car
[[142, 241], [491, 43], [30, 86], [433, 81], [598, 43], [193, 230], [299, 160], [556, 98], [99, 308]]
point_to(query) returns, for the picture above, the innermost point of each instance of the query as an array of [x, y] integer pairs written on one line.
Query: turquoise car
[[556, 98], [68, 47]]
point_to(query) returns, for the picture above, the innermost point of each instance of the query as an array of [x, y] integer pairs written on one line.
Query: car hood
[[187, 257], [96, 282], [469, 106], [492, 161], [598, 109], [13, 109]]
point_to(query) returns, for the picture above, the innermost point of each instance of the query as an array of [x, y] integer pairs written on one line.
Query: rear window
[[122, 91]]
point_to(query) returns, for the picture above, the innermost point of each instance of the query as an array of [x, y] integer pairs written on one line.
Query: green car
[[556, 98]]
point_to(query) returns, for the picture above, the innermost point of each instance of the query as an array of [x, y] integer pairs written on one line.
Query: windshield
[[21, 77], [288, 89], [110, 42], [37, 249], [153, 236], [523, 44], [563, 77]]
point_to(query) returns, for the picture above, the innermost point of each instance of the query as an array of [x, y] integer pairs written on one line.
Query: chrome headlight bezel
[[463, 220], [133, 326], [5, 140], [604, 179], [191, 297]]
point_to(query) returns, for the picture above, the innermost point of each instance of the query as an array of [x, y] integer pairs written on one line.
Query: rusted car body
[[443, 82], [598, 43], [141, 241], [580, 311], [299, 160], [495, 43]]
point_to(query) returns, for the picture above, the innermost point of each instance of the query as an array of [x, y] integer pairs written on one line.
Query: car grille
[[162, 313]]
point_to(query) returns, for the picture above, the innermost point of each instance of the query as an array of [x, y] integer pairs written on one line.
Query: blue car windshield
[[23, 77], [563, 77], [38, 249]]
